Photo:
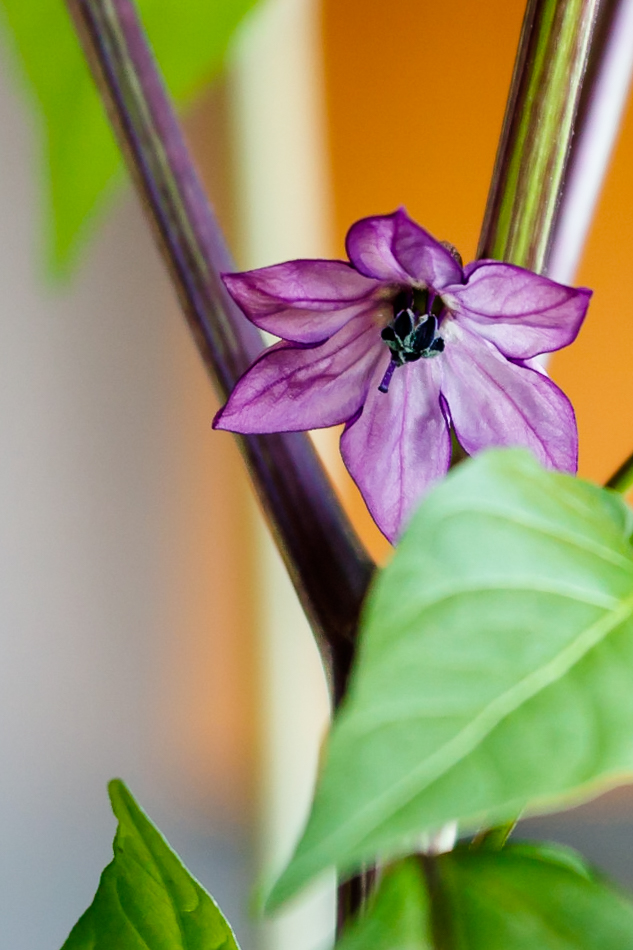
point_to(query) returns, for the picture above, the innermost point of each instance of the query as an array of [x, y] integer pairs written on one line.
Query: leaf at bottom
[[525, 897], [147, 900], [533, 897], [398, 916]]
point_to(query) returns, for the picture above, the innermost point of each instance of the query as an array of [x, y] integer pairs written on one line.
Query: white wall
[[284, 203]]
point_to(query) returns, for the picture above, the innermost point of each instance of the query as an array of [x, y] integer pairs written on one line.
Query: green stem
[[622, 480], [535, 144]]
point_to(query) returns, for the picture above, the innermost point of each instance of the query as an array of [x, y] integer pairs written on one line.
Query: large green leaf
[[147, 900], [526, 897], [495, 668], [83, 161]]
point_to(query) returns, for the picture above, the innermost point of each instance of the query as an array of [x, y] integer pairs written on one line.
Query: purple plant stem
[[325, 559]]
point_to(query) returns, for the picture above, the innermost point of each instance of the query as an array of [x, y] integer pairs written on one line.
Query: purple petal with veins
[[522, 313], [494, 402], [394, 248], [399, 445], [456, 355], [302, 301], [291, 388]]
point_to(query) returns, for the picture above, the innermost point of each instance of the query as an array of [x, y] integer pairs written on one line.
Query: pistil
[[384, 386]]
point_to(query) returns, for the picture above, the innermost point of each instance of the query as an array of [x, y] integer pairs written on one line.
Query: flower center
[[412, 334]]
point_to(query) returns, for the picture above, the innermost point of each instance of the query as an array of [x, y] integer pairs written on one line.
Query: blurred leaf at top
[[82, 161]]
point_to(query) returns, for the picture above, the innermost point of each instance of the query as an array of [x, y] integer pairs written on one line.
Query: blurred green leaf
[[494, 670], [398, 915], [525, 897], [147, 900], [83, 163], [529, 896]]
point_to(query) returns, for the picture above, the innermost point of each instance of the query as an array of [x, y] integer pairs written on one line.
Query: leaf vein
[[407, 788]]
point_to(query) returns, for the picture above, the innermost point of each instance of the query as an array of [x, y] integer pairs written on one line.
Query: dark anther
[[412, 335], [424, 335], [403, 325]]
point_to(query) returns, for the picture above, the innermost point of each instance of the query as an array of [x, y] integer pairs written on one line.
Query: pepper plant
[[486, 672]]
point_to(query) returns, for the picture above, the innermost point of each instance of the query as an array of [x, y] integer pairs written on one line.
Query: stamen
[[412, 334], [384, 386], [424, 334], [403, 324]]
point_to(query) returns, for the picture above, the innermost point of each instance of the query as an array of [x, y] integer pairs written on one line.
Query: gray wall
[[89, 459]]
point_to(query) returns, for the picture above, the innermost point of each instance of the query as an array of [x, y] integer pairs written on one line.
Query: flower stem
[[536, 140], [353, 896], [443, 933], [324, 557]]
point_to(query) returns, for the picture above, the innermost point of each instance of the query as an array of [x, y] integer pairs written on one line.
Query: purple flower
[[400, 344]]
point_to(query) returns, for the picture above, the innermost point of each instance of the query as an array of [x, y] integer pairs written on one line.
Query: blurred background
[[147, 629]]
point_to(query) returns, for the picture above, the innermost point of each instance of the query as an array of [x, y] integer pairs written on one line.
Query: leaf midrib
[[404, 791], [580, 542], [161, 877], [412, 619], [547, 528]]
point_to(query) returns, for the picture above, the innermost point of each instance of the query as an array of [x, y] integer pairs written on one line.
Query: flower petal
[[302, 301], [493, 401], [291, 387], [400, 443], [522, 313], [393, 247]]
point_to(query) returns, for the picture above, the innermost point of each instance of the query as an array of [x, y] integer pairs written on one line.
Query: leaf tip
[[120, 796]]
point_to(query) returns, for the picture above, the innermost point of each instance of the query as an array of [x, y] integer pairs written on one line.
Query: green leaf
[[397, 917], [147, 900], [494, 670], [527, 897], [82, 158]]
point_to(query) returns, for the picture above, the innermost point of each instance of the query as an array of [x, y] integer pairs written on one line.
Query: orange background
[[416, 92]]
